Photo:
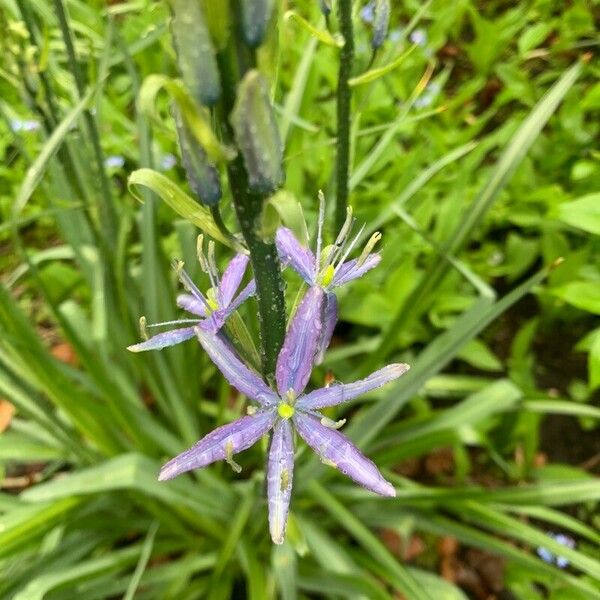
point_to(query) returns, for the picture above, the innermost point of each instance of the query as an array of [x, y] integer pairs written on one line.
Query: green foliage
[[474, 154]]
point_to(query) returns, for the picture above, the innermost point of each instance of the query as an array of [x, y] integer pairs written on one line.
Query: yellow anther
[[143, 332], [285, 480], [325, 421], [229, 457]]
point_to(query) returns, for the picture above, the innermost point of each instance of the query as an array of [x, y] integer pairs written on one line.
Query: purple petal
[[248, 291], [234, 370], [214, 321], [218, 444], [330, 315], [191, 304], [295, 361], [342, 392], [163, 340], [337, 450], [351, 270], [292, 252], [217, 319], [232, 277], [279, 478]]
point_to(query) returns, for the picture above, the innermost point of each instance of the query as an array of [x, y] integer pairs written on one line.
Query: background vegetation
[[477, 158]]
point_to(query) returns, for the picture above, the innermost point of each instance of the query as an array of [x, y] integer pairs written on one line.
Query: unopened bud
[[255, 18], [195, 53], [381, 21], [202, 176], [325, 7], [257, 135]]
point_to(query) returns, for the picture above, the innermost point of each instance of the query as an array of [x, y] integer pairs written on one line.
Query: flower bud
[[202, 176], [257, 135], [255, 18], [195, 53], [325, 7], [380, 23]]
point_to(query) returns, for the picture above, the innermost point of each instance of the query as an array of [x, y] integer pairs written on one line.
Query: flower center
[[286, 406], [327, 275], [211, 297], [285, 410]]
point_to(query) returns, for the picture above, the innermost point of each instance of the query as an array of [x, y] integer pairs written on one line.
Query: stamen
[[176, 322], [212, 265], [320, 232], [349, 249], [342, 235], [200, 252], [187, 283], [143, 332], [367, 249], [229, 457], [326, 422], [251, 410]]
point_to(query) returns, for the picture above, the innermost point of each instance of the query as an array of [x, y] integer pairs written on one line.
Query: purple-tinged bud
[[202, 176], [257, 135], [381, 21], [195, 53], [255, 18], [325, 7]]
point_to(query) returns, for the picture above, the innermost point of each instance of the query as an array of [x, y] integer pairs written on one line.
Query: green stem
[[248, 208], [343, 113], [218, 219]]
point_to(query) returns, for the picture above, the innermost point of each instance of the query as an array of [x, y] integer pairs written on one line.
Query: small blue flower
[[114, 162], [395, 35], [367, 12], [26, 125], [419, 37], [167, 162], [560, 561], [429, 95]]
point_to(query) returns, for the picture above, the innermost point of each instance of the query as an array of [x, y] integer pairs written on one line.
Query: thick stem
[[265, 265], [248, 208], [343, 113]]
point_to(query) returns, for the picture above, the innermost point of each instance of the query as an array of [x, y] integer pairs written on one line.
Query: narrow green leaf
[[401, 578], [379, 72], [320, 34], [178, 200], [145, 553]]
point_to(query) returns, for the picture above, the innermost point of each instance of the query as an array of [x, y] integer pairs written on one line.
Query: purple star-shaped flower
[[283, 410], [211, 310], [331, 270]]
